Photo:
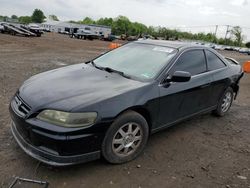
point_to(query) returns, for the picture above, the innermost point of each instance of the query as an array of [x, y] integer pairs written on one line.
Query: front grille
[[23, 131], [20, 107]]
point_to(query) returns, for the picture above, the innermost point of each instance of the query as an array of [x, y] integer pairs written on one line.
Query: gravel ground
[[203, 152]]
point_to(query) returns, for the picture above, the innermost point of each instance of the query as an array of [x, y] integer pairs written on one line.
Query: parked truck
[[18, 29], [34, 28], [85, 33]]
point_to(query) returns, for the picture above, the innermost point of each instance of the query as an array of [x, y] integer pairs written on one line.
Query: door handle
[[206, 85]]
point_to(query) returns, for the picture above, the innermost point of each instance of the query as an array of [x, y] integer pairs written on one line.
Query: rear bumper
[[49, 158]]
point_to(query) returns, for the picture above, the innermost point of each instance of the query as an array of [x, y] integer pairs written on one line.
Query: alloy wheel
[[127, 139], [226, 102]]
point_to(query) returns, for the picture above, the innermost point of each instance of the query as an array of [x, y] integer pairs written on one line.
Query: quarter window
[[193, 62], [213, 62]]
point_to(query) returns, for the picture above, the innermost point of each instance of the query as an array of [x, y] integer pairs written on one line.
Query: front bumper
[[49, 158], [55, 145]]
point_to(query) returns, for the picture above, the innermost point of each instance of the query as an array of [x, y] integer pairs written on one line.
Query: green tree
[[237, 32], [3, 18], [72, 21], [151, 31], [121, 25], [88, 21], [248, 44], [37, 16], [25, 19], [138, 28], [14, 17], [105, 21], [53, 17]]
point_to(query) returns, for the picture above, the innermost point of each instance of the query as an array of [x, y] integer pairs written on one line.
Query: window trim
[[161, 77], [189, 50], [217, 57]]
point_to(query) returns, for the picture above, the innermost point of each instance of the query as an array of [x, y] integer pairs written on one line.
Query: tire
[[225, 102], [120, 144]]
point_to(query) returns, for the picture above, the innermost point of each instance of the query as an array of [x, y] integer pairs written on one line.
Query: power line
[[217, 29], [202, 26], [245, 27], [188, 27]]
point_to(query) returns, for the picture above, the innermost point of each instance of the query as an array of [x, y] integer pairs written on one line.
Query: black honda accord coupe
[[109, 106]]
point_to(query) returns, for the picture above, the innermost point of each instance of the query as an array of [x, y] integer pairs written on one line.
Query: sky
[[186, 15]]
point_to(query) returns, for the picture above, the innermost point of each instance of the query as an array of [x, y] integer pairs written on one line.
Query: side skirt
[[182, 119]]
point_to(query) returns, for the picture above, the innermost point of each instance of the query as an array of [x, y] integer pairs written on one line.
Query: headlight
[[66, 119]]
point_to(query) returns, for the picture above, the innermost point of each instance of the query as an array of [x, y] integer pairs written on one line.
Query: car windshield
[[143, 61]]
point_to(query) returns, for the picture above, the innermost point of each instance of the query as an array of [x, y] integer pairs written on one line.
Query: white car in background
[[1, 28], [219, 47], [244, 50]]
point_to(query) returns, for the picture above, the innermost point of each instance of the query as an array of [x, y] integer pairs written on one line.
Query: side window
[[193, 62], [213, 62]]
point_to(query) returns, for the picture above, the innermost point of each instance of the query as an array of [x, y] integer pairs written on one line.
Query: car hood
[[68, 87]]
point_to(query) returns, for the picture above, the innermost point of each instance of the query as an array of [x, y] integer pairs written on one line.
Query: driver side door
[[182, 99]]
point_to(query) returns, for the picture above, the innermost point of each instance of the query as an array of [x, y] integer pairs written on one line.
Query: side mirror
[[179, 76]]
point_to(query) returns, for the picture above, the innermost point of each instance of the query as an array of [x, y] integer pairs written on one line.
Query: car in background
[[209, 45], [1, 28], [110, 105], [64, 32], [244, 50], [148, 37], [110, 38], [228, 48], [132, 38], [46, 30], [236, 49], [34, 28], [219, 47], [85, 33]]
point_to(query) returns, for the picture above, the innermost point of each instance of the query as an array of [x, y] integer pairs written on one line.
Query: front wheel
[[225, 102], [126, 138]]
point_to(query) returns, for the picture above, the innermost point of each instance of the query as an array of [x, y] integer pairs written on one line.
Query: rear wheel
[[225, 102], [126, 138]]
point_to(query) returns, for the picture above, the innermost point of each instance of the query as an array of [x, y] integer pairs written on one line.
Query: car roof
[[171, 44]]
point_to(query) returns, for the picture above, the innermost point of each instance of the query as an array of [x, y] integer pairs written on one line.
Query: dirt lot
[[203, 152]]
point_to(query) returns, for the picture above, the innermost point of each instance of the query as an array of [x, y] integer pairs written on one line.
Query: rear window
[[213, 61]]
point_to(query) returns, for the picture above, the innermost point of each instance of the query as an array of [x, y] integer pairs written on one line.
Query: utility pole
[[215, 34], [226, 33], [216, 29]]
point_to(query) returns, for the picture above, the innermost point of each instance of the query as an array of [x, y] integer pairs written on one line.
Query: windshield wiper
[[108, 69], [93, 63]]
